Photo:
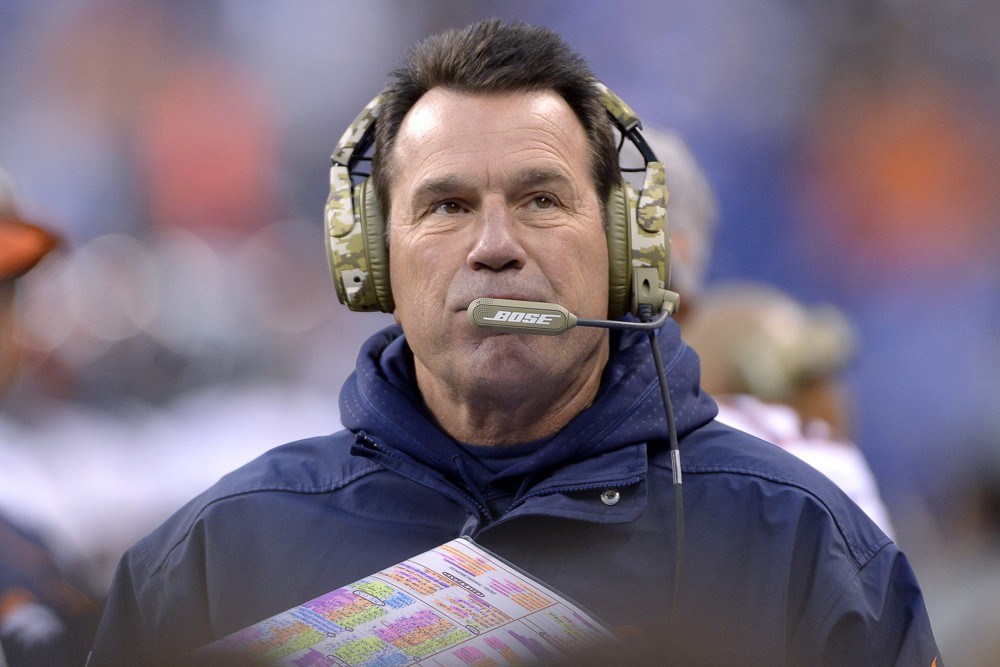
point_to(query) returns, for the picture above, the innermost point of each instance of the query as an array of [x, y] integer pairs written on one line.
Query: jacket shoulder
[[749, 463], [312, 466]]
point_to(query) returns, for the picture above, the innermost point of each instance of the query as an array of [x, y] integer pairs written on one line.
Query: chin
[[507, 343], [509, 354]]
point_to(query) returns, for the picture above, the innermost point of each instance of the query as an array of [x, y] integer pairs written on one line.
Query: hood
[[381, 400]]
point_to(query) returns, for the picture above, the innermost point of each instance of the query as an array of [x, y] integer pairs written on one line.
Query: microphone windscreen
[[529, 317]]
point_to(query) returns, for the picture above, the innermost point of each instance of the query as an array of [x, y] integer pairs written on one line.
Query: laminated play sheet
[[457, 604]]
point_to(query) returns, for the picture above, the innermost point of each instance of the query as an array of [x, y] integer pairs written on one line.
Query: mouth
[[510, 296]]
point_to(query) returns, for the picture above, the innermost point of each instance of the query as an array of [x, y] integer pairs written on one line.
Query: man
[[775, 368], [45, 619], [493, 162], [773, 365]]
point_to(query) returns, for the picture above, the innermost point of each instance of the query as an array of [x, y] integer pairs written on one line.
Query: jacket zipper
[[368, 442]]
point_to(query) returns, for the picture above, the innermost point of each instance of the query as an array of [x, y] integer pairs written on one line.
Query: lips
[[466, 289], [468, 296], [508, 296]]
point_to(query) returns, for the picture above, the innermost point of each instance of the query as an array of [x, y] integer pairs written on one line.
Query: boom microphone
[[531, 317], [537, 317]]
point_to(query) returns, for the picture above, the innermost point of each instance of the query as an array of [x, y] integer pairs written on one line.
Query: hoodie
[[766, 562]]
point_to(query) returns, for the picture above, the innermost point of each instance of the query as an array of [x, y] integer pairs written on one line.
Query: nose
[[497, 246]]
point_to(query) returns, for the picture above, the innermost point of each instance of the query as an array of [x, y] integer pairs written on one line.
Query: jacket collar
[[604, 446]]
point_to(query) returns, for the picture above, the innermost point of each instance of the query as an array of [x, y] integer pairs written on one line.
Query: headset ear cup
[[649, 245], [344, 247], [619, 255], [643, 224], [373, 227], [355, 244]]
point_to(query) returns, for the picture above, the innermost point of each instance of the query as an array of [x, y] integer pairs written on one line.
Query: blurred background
[[181, 149]]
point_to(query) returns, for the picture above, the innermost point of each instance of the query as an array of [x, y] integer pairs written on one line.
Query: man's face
[[493, 197]]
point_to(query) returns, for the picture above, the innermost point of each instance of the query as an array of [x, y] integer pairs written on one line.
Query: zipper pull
[[366, 441]]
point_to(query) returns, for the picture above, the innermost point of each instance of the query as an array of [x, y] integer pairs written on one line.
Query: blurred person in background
[[776, 369], [206, 323], [46, 620], [891, 185], [773, 366]]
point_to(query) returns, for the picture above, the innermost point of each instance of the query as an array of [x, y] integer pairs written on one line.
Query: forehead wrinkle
[[538, 176], [440, 185], [540, 144], [429, 186]]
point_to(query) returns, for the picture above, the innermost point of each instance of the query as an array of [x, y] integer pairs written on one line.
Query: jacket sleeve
[[155, 616], [880, 618], [120, 634]]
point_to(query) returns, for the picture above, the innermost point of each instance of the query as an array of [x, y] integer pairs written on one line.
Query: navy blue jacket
[[779, 566]]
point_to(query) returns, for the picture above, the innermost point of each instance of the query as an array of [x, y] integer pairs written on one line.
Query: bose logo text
[[526, 318]]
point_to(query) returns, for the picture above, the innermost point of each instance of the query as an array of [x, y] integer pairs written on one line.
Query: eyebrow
[[452, 183], [436, 187]]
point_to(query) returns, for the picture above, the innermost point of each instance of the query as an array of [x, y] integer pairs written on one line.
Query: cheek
[[419, 277], [591, 267], [590, 261], [414, 271]]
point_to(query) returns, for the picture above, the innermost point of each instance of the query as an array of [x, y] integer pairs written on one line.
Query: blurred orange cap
[[22, 246]]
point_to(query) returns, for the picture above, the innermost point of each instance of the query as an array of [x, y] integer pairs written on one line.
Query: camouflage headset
[[638, 236]]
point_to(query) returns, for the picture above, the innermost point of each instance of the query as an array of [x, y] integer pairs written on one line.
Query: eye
[[543, 201], [448, 208]]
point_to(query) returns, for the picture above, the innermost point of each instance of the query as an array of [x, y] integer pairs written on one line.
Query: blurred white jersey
[[814, 443]]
